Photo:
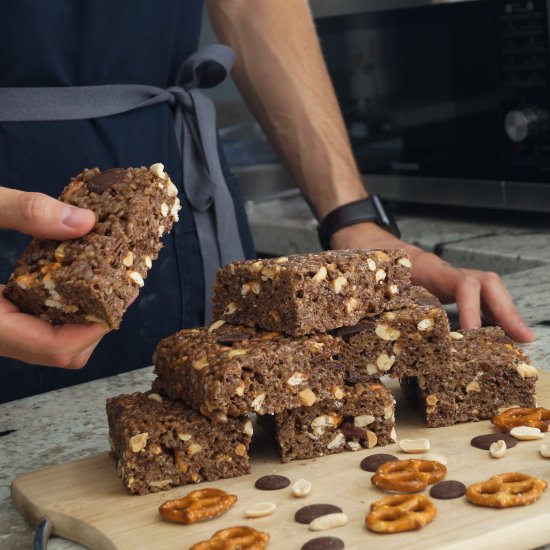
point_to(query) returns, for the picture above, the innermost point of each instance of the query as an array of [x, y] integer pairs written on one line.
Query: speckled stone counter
[[68, 424], [53, 428]]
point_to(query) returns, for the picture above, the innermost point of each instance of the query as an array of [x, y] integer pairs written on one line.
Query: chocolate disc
[[103, 181], [272, 483], [231, 338], [448, 489], [308, 513], [362, 326], [327, 363], [373, 462], [324, 543], [484, 441]]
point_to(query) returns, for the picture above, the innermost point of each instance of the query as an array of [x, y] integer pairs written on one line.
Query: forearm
[[281, 74]]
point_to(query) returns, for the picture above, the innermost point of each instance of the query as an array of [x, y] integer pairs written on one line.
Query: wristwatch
[[370, 209]]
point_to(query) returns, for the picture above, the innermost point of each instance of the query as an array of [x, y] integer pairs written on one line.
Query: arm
[[281, 74], [26, 337]]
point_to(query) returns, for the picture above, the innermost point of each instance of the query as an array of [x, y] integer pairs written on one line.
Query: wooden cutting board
[[87, 503]]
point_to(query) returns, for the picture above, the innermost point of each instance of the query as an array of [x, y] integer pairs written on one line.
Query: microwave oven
[[444, 102]]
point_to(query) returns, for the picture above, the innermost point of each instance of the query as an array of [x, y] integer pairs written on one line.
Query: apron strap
[[195, 126]]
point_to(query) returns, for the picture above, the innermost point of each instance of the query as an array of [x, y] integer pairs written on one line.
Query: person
[[279, 71]]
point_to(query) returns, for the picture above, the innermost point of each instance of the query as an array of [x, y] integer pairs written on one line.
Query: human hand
[[24, 336], [476, 293]]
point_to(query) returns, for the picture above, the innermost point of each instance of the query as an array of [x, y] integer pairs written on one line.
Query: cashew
[[136, 277], [138, 442], [216, 325], [425, 324], [301, 488], [526, 433], [526, 371], [240, 450], [321, 275], [128, 260], [414, 445], [363, 420], [384, 361], [372, 439], [307, 397], [337, 441], [200, 362], [260, 509], [386, 332], [339, 283], [157, 170], [328, 521], [257, 402], [248, 429], [296, 379], [498, 449]]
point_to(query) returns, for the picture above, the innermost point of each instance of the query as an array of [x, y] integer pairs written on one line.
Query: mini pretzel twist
[[408, 476], [197, 506], [398, 513], [506, 490], [534, 417], [234, 538]]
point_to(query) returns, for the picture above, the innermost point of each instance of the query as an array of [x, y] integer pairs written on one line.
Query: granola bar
[[307, 293], [234, 370], [487, 372], [93, 278], [158, 443], [403, 342], [362, 416]]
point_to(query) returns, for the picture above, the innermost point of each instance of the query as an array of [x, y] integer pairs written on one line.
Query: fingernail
[[72, 217]]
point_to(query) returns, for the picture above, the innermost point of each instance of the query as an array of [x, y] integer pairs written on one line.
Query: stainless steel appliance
[[445, 102]]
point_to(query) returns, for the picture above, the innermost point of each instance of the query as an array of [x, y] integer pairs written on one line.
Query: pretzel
[[408, 476], [197, 506], [234, 538], [398, 513], [506, 490], [534, 417]]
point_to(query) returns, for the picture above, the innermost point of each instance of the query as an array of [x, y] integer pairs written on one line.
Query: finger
[[42, 216], [35, 341], [81, 359], [499, 309], [467, 296]]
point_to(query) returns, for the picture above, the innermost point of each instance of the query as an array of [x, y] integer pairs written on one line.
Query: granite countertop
[[69, 424]]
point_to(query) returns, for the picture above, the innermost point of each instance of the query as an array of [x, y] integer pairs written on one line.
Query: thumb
[[41, 216]]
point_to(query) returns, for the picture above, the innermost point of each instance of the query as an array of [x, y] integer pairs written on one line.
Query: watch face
[[385, 217]]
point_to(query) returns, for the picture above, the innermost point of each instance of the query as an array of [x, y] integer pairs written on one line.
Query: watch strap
[[370, 209]]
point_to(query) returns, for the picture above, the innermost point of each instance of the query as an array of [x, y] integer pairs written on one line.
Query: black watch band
[[370, 209]]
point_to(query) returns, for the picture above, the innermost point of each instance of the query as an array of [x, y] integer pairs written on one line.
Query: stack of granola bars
[[302, 342]]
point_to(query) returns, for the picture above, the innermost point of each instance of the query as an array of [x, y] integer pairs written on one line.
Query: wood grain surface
[[87, 503]]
